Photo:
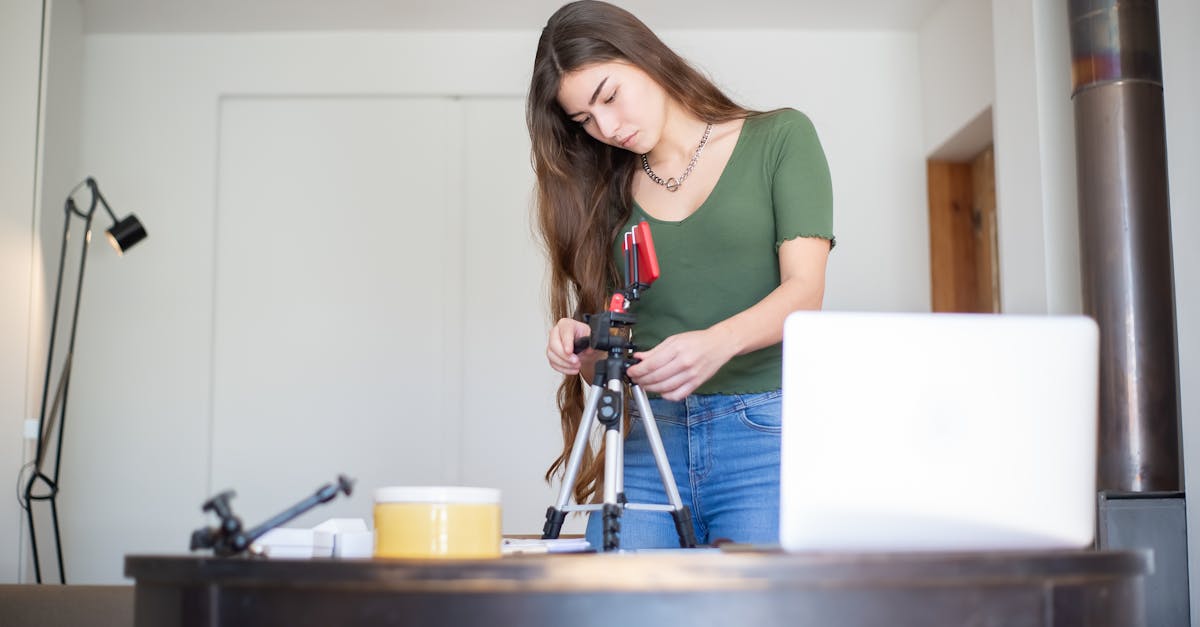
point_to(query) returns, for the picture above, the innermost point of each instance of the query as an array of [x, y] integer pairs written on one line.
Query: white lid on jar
[[437, 494]]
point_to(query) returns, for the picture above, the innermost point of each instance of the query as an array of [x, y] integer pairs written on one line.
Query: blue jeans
[[724, 453]]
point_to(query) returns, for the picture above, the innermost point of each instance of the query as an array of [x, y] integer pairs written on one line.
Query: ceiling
[[201, 16]]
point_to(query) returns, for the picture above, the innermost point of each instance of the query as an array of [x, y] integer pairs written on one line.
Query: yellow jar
[[437, 522]]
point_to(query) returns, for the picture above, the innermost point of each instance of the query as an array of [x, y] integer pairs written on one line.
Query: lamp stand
[[43, 483]]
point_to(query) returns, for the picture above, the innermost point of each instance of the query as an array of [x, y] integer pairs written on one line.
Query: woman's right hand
[[560, 350]]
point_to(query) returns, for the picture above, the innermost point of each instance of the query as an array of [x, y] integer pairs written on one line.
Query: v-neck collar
[[737, 145]]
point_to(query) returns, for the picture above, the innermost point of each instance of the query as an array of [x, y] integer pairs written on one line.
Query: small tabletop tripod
[[611, 331], [229, 538]]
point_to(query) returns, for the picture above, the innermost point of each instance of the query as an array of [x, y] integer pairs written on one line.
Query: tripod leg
[[619, 458], [612, 527], [556, 514], [612, 455], [612, 477], [680, 512]]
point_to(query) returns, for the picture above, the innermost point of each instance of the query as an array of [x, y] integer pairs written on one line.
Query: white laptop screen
[[938, 431]]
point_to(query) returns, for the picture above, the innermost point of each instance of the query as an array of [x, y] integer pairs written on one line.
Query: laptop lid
[[938, 431]]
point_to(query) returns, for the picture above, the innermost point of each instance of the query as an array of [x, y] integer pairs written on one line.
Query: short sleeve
[[801, 188]]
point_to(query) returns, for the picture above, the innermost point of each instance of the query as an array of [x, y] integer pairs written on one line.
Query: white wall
[[1056, 136], [1179, 20], [862, 91], [20, 52], [1037, 212], [156, 358], [1014, 93], [957, 78], [59, 147]]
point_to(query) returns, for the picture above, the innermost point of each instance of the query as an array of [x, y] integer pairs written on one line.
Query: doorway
[[964, 272]]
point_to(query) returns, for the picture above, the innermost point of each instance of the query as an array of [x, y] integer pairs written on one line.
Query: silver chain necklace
[[672, 184]]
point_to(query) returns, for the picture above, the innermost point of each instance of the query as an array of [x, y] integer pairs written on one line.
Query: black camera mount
[[229, 538]]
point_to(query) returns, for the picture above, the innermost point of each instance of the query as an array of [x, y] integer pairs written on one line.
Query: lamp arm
[[62, 261], [52, 417], [69, 208], [66, 381], [69, 205], [72, 208], [97, 196], [57, 413]]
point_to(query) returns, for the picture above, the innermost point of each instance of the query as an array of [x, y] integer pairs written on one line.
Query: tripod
[[611, 331], [229, 538]]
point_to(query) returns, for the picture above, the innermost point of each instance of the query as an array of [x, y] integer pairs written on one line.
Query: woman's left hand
[[682, 363]]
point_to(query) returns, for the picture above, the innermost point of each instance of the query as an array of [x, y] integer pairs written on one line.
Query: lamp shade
[[126, 232]]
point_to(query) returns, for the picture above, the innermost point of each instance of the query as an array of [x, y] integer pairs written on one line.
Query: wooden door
[[962, 235]]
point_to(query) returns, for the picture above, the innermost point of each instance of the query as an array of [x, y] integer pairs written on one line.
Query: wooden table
[[685, 588]]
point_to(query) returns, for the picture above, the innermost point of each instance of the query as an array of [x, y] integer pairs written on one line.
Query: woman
[[740, 208]]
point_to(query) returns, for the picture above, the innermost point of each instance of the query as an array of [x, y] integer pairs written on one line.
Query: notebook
[[915, 432]]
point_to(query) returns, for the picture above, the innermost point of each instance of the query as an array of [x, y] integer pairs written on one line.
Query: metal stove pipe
[[1125, 237]]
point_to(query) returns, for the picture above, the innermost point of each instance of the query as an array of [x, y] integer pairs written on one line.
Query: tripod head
[[612, 328], [228, 538]]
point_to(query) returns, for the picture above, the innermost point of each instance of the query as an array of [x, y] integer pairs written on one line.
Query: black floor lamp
[[42, 486]]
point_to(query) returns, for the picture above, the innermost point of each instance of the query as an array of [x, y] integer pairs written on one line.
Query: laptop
[[938, 432]]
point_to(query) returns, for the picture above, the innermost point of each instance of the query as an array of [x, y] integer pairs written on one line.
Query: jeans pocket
[[763, 412]]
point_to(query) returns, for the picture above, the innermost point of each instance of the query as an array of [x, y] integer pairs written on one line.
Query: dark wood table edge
[[680, 570]]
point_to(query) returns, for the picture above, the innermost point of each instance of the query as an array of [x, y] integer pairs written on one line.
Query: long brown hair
[[584, 192]]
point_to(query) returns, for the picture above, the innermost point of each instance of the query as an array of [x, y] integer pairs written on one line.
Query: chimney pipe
[[1125, 239]]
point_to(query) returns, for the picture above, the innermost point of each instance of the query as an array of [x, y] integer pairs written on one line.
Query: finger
[[559, 359], [689, 385], [561, 365], [571, 360], [678, 394], [554, 351], [651, 360], [581, 336], [566, 346], [567, 328], [659, 376], [655, 378], [673, 386], [664, 361]]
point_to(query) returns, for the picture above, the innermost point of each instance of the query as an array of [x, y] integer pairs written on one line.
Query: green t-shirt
[[723, 258]]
